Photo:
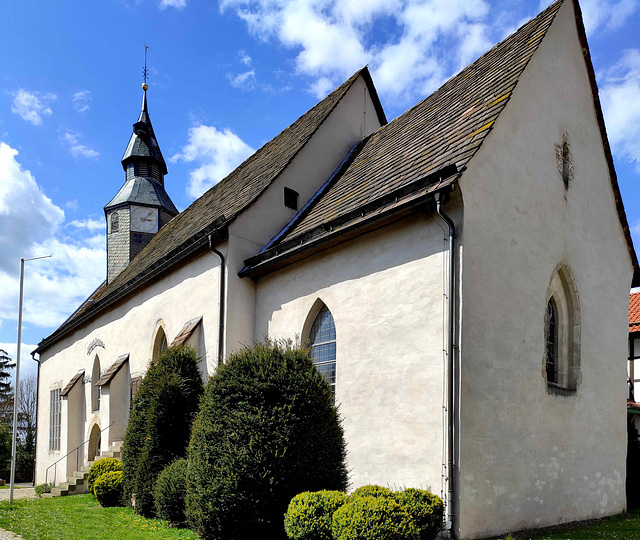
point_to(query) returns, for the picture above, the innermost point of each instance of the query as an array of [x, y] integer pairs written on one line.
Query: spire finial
[[145, 71]]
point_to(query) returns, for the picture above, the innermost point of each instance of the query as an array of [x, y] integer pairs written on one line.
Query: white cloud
[[245, 58], [620, 95], [333, 39], [32, 106], [216, 152], [30, 225], [610, 14], [81, 100], [178, 4], [88, 224], [72, 139], [243, 81]]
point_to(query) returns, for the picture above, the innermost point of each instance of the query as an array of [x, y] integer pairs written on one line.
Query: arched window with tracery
[[322, 340]]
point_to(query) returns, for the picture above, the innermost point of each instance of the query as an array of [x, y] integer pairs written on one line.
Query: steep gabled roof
[[424, 150], [211, 214]]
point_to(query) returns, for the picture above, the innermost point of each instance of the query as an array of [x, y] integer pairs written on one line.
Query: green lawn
[[619, 527], [80, 516]]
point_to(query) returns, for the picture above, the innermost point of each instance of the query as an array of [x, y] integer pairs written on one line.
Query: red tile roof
[[634, 311]]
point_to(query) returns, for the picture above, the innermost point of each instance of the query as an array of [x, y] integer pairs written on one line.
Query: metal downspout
[[222, 300], [451, 371]]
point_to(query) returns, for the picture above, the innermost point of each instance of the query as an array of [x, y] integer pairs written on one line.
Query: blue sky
[[224, 78]]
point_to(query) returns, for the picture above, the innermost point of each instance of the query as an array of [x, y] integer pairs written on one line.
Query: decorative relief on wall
[[564, 160], [96, 342]]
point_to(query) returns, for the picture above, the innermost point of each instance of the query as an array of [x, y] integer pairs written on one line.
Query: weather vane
[[145, 71]]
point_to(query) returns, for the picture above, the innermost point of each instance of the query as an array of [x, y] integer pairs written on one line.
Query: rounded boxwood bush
[[108, 488], [310, 514], [99, 468], [371, 490], [267, 430], [425, 508], [160, 421], [170, 491], [373, 518]]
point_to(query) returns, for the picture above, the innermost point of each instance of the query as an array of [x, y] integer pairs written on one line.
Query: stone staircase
[[76, 484]]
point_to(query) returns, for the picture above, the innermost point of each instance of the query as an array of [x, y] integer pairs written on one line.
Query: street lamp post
[[17, 385]]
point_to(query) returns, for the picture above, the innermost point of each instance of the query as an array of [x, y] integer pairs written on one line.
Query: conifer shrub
[[160, 421], [373, 518], [100, 467], [108, 488], [310, 514], [170, 491], [267, 429], [425, 508]]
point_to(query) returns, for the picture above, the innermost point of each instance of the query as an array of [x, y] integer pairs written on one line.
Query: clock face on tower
[[144, 219]]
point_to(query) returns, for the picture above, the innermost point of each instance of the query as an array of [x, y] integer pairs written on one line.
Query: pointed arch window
[[322, 340], [159, 343], [562, 332]]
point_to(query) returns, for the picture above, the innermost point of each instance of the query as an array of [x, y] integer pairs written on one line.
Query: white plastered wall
[[531, 457], [385, 291], [353, 119], [189, 292]]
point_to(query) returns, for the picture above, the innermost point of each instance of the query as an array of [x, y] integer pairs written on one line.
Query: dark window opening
[[137, 238], [290, 198], [551, 340], [115, 222]]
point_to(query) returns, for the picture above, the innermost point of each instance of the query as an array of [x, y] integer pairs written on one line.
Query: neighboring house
[[462, 273], [633, 376]]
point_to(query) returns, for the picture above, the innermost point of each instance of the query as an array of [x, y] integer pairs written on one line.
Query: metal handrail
[[55, 463]]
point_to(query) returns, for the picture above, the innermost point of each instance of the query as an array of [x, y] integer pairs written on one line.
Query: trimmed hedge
[[267, 429], [373, 518], [310, 514], [100, 467], [160, 422], [108, 488], [170, 492]]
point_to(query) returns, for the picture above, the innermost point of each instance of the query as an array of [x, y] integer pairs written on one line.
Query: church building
[[461, 272]]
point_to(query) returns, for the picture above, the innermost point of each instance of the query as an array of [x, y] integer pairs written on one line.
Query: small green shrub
[[371, 491], [170, 492], [99, 468], [373, 518], [425, 508], [108, 488], [310, 514], [43, 488]]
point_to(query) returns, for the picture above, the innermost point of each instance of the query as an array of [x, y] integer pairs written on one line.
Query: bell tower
[[142, 205]]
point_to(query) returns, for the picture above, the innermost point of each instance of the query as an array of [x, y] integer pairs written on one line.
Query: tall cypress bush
[[267, 429], [160, 421]]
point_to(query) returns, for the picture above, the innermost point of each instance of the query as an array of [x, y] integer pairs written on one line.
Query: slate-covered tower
[[142, 205]]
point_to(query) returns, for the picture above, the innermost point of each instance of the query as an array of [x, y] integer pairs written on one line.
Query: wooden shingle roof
[[422, 151]]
